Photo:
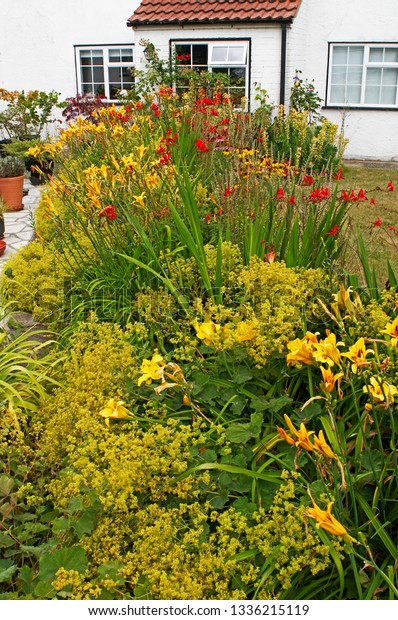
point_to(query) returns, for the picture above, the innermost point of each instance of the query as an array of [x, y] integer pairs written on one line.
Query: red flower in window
[[109, 212]]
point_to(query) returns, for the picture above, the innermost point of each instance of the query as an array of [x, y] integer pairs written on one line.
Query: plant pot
[[3, 246], [11, 191]]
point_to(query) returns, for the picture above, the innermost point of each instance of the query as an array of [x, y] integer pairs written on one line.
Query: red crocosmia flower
[[201, 146], [228, 191], [372, 201], [344, 196], [333, 232], [109, 212], [390, 186], [353, 197], [307, 180], [339, 174], [280, 194], [208, 218], [269, 257], [377, 222], [361, 195], [291, 200]]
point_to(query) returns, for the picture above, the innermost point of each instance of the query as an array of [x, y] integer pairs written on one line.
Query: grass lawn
[[373, 220]]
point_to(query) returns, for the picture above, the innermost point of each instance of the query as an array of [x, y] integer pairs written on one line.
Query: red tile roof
[[210, 11]]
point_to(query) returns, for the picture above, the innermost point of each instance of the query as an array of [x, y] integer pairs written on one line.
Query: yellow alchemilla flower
[[380, 391], [328, 522], [301, 350], [140, 199], [322, 446], [357, 354], [115, 409], [152, 369], [326, 351], [207, 331], [391, 330], [329, 379], [245, 331]]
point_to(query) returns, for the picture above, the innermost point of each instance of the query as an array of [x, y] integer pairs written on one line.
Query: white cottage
[[349, 48]]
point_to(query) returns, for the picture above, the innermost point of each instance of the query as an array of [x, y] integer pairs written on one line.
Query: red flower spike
[[280, 194], [390, 186], [333, 232], [361, 195], [344, 196], [372, 202], [291, 200], [307, 180], [228, 191], [109, 212], [339, 174], [377, 222]]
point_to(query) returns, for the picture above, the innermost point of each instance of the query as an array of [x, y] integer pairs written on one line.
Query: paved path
[[19, 229]]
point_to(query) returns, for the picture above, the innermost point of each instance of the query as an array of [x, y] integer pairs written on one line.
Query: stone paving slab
[[19, 229]]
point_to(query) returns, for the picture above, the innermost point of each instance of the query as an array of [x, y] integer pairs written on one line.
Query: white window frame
[[367, 64], [212, 45], [107, 64]]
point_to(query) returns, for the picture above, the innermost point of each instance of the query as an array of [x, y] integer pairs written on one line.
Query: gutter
[[283, 63], [218, 22]]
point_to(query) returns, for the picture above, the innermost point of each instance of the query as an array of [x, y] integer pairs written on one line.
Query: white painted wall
[[265, 49], [37, 39], [373, 134]]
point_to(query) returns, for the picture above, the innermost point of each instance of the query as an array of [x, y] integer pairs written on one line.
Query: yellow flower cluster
[[301, 439]]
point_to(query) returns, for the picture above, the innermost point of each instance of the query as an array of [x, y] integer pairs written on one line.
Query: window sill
[[360, 107]]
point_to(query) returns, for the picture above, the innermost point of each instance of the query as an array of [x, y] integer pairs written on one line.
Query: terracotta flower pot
[[3, 246], [11, 191]]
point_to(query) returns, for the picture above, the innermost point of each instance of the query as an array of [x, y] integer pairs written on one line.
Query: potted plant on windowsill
[[12, 171]]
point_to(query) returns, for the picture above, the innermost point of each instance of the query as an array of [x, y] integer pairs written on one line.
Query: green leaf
[[241, 433], [7, 573], [70, 558], [85, 524], [6, 485]]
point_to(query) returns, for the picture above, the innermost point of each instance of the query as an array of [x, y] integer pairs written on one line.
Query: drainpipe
[[283, 63]]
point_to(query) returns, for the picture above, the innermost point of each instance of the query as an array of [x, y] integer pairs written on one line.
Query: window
[[364, 75], [227, 57], [104, 70]]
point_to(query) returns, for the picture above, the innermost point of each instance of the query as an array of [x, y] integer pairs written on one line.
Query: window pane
[[237, 54], [99, 89], [354, 75], [199, 53], [219, 54], [114, 55], [337, 94], [391, 54], [87, 74], [390, 77], [113, 90], [182, 49], [353, 94], [237, 76], [85, 57], [98, 74], [98, 58], [339, 75], [114, 74], [340, 55], [355, 55], [372, 94], [376, 54], [220, 70], [388, 95], [373, 77], [127, 55], [127, 77]]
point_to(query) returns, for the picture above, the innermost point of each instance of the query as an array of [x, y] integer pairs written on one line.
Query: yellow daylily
[[206, 331], [328, 522], [343, 302], [357, 354], [152, 369], [115, 409], [322, 446], [142, 150], [380, 391], [329, 379], [391, 330], [326, 351], [301, 350], [33, 151], [140, 199], [245, 331], [299, 438]]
